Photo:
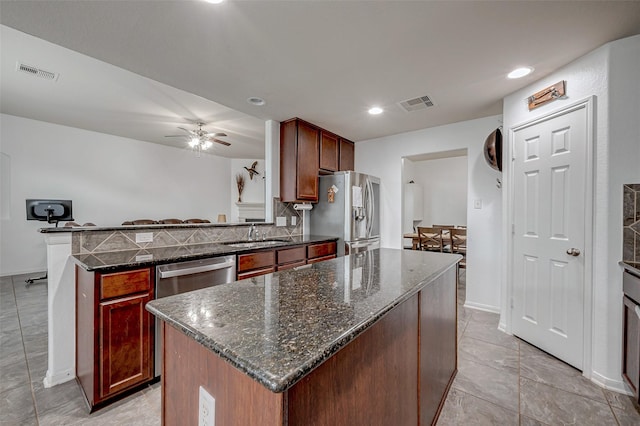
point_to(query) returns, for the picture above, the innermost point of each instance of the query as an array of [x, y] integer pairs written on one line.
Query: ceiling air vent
[[416, 104], [48, 75]]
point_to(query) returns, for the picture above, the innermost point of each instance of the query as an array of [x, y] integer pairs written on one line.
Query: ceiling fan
[[201, 140]]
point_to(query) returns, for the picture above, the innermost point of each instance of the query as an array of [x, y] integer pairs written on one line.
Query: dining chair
[[170, 221], [430, 239], [197, 221], [458, 242]]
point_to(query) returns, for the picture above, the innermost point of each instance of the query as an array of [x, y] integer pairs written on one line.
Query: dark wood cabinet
[[257, 263], [299, 161], [114, 332], [631, 331], [291, 257], [321, 250], [347, 155], [305, 152], [329, 152], [631, 349], [266, 261]]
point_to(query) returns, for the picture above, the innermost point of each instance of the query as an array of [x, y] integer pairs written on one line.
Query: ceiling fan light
[[206, 144], [194, 142]]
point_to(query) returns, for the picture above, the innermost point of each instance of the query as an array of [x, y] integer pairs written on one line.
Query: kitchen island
[[363, 339]]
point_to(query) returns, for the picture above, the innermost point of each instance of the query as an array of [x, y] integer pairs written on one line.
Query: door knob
[[573, 252]]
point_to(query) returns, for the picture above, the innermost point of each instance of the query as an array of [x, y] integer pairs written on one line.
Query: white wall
[[609, 73], [110, 179], [383, 158], [444, 181], [253, 191]]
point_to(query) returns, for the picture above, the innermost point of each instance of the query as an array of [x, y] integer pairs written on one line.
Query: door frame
[[588, 104]]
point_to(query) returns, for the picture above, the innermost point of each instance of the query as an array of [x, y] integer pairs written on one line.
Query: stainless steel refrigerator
[[348, 208]]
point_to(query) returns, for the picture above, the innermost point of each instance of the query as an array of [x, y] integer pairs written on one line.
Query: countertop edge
[[630, 268], [286, 382]]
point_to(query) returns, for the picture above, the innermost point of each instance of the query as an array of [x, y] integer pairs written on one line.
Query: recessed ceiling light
[[214, 1], [520, 72], [375, 110], [256, 101]]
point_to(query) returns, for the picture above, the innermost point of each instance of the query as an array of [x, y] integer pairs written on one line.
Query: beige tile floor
[[501, 380]]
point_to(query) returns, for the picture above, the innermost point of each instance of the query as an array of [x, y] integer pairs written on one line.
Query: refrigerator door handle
[[370, 204]]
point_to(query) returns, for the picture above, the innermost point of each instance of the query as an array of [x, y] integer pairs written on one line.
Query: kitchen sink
[[255, 244]]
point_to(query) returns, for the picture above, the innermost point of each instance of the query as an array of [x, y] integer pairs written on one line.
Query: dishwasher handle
[[196, 269]]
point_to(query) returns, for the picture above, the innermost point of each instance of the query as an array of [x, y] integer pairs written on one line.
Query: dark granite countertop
[[631, 266], [277, 328], [114, 260]]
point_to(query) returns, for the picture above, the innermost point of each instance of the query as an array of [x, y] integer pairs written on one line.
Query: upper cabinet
[[346, 155], [305, 152], [329, 152], [299, 161]]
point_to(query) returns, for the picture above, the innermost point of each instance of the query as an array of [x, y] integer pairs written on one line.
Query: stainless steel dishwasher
[[176, 278]]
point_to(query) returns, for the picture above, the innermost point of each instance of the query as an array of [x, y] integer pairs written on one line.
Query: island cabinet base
[[396, 372]]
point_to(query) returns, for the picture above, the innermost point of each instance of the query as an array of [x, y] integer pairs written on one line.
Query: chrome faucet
[[253, 230]]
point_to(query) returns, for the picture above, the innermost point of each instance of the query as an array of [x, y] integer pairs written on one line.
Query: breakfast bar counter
[[363, 339]]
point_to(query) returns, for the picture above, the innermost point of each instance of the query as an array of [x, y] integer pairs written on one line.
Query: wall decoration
[[547, 94], [240, 184], [252, 171]]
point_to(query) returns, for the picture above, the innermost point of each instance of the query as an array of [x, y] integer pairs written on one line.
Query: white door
[[550, 183]]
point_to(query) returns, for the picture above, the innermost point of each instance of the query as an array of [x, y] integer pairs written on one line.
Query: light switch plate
[[477, 204], [293, 220], [281, 221], [144, 237]]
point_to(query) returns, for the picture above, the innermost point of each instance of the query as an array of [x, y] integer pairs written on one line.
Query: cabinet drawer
[[256, 272], [291, 265], [262, 259], [321, 250], [124, 283], [320, 259], [291, 255]]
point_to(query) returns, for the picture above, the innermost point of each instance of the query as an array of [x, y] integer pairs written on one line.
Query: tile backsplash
[[98, 241], [631, 223]]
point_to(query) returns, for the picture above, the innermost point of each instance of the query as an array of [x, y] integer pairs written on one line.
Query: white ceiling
[[324, 61]]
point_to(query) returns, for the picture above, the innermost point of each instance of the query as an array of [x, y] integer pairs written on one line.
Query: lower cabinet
[[631, 332], [321, 251], [267, 261], [114, 332]]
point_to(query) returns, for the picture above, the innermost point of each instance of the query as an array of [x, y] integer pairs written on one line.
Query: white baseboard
[[59, 378], [38, 272], [481, 307], [610, 384]]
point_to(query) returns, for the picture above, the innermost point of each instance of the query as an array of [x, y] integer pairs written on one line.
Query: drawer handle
[[637, 310]]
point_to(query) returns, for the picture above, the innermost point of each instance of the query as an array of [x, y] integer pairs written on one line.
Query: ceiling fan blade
[[221, 142], [175, 136], [187, 130], [216, 135]]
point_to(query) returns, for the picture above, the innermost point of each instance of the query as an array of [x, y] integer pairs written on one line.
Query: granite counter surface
[[277, 328], [114, 260]]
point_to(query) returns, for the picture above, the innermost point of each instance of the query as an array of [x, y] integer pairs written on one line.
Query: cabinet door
[[308, 159], [329, 148], [631, 345], [347, 155], [125, 343]]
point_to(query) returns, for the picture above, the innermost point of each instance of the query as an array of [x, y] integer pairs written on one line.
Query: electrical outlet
[[293, 220], [281, 221], [206, 408], [144, 237]]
